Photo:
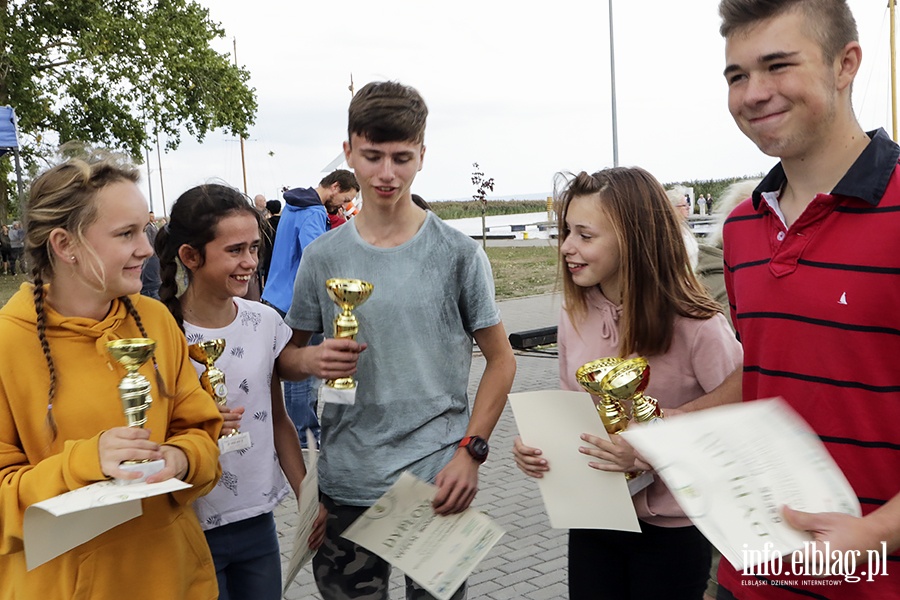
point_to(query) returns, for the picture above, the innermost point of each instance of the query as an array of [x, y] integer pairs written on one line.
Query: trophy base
[[146, 469], [639, 482], [337, 396], [343, 383], [239, 440]]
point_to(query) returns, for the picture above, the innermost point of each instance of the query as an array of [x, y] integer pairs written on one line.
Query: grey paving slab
[[530, 560]]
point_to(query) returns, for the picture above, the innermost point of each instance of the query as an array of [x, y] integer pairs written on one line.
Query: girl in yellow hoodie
[[61, 421]]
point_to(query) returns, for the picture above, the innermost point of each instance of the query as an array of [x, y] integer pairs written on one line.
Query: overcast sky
[[523, 91]]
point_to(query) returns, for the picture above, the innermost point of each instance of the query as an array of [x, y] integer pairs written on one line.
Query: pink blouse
[[703, 353]]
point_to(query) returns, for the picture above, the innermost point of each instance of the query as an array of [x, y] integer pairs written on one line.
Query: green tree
[[482, 187], [112, 73]]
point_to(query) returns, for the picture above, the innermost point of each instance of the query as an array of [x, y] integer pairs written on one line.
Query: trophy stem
[[612, 414], [645, 409], [135, 394]]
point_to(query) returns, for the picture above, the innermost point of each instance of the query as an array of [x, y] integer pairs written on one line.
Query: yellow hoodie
[[161, 554]]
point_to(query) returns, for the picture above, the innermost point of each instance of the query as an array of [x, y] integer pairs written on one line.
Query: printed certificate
[[63, 522], [437, 552], [733, 467], [307, 511]]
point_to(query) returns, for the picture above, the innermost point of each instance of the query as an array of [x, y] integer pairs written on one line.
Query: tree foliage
[[112, 73], [482, 187]]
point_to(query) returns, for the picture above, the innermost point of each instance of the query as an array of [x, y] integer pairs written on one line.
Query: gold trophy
[[212, 380], [348, 294], [594, 378], [627, 381], [134, 391], [611, 411]]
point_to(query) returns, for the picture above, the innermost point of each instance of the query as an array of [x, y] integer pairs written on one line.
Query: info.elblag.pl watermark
[[814, 562]]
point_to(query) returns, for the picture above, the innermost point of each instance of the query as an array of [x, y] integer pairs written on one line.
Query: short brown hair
[[387, 111], [346, 179], [656, 278], [830, 21]]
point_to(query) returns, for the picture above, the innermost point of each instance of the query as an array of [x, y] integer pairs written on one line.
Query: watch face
[[479, 447]]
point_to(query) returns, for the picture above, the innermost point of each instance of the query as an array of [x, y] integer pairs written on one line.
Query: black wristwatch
[[477, 447]]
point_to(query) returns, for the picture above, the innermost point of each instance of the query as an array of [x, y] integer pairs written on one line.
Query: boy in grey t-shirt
[[433, 294]]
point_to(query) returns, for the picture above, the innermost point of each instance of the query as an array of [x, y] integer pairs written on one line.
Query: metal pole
[[19, 187], [149, 180], [893, 4], [612, 75], [243, 162], [162, 188]]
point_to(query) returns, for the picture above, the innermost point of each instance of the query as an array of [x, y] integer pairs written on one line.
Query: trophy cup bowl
[[207, 352], [627, 381], [590, 376], [347, 294], [212, 379], [131, 353], [627, 378], [134, 392]]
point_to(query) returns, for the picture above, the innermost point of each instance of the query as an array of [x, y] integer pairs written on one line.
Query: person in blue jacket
[[303, 219]]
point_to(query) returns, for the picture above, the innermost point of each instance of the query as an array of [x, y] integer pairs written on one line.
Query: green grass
[[9, 284], [455, 209], [518, 271], [523, 271]]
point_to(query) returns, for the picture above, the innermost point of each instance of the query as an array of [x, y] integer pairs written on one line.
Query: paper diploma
[[437, 552], [58, 524], [308, 510], [575, 495], [733, 467]]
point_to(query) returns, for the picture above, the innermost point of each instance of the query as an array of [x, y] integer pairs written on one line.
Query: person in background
[[710, 268], [682, 203], [303, 219], [336, 217], [420, 202], [16, 245], [270, 229], [259, 201], [6, 252], [150, 273]]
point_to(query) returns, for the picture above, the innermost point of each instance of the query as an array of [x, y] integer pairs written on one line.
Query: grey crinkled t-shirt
[[430, 294]]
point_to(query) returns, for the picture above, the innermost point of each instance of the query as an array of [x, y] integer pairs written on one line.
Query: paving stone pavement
[[529, 562]]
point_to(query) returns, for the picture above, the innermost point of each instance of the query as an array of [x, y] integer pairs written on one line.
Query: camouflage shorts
[[345, 570]]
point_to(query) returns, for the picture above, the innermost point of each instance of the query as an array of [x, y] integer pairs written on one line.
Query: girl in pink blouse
[[629, 291]]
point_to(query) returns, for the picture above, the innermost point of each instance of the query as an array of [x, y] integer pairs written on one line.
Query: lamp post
[[612, 75]]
